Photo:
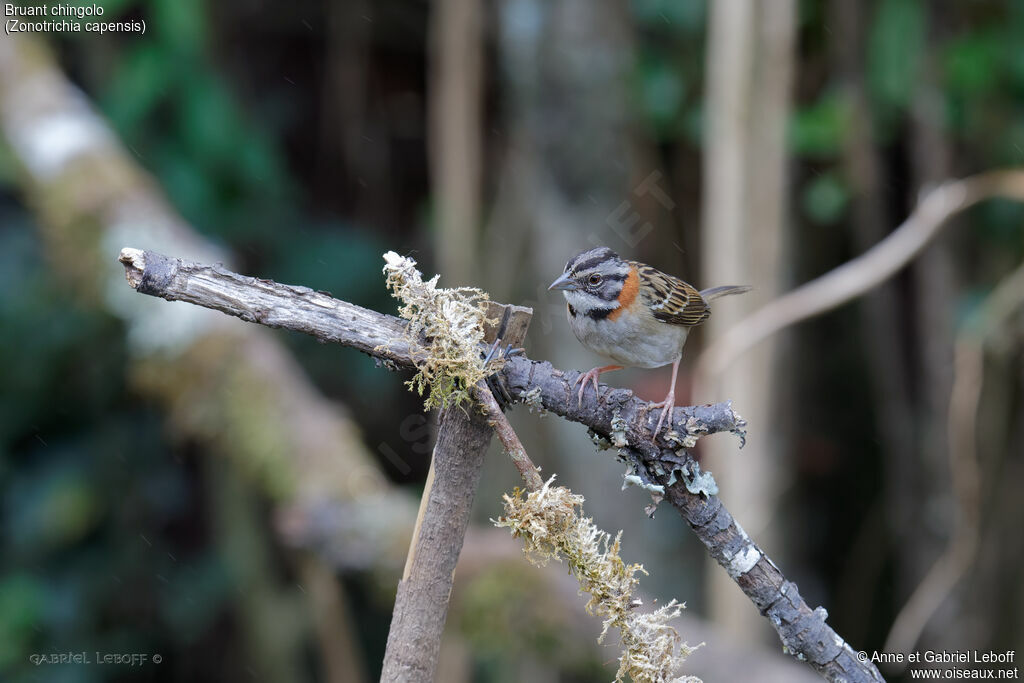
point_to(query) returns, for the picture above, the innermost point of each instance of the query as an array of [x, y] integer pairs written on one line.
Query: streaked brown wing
[[670, 299]]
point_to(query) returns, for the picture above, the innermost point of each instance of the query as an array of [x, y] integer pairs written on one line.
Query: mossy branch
[[551, 523], [450, 323]]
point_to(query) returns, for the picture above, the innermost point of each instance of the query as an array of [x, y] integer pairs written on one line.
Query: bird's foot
[[591, 376], [666, 410]]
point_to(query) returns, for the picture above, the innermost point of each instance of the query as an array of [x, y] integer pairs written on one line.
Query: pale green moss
[[551, 523], [446, 326]]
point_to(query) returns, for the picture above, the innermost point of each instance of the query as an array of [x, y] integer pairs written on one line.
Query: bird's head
[[592, 280]]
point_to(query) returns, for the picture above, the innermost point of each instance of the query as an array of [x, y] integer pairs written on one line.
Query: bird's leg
[[670, 401], [591, 376]]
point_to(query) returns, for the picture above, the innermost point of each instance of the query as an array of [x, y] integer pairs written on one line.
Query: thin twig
[[507, 435], [858, 275]]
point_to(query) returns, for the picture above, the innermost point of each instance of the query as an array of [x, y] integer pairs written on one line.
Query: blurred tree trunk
[[568, 178], [935, 291], [749, 73], [882, 314], [343, 117], [455, 112], [271, 616], [910, 397], [564, 156]]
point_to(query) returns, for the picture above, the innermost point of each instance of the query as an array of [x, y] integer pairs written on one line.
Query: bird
[[632, 314]]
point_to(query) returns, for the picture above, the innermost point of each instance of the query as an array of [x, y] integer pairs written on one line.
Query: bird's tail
[[727, 290]]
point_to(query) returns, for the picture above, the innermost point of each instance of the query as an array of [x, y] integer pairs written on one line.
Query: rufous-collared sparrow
[[632, 314]]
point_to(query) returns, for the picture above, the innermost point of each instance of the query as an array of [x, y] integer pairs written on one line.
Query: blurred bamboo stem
[[882, 315], [965, 470], [455, 104], [750, 60], [342, 659], [860, 274]]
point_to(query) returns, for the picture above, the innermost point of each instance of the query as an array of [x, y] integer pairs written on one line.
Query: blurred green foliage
[[104, 525], [668, 67], [221, 161], [94, 501], [894, 59], [178, 115]]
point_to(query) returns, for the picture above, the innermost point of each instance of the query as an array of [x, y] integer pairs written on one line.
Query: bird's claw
[[589, 376], [666, 409]]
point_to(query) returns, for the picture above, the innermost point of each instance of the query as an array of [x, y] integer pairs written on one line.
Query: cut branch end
[[134, 261]]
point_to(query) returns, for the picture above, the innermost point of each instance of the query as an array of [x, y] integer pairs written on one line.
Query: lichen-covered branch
[[621, 417], [382, 336], [619, 420]]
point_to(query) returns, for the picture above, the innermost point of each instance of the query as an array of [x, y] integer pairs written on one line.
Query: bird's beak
[[564, 283]]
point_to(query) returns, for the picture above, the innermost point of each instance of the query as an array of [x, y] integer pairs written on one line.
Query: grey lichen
[[551, 523], [743, 561], [688, 440], [532, 400], [630, 479], [446, 327], [740, 429], [599, 441], [696, 481], [618, 433]]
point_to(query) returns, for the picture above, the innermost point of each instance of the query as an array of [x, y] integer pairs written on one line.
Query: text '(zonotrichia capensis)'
[[632, 314]]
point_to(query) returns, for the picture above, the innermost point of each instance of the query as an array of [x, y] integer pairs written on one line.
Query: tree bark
[[749, 70], [421, 605]]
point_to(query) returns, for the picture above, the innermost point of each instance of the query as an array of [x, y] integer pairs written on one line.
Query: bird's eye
[[594, 279]]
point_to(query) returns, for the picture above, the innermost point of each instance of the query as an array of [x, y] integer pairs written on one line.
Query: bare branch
[[617, 416], [509, 439], [266, 302], [858, 275], [421, 604]]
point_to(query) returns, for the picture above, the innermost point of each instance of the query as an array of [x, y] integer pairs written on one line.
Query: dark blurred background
[[245, 513]]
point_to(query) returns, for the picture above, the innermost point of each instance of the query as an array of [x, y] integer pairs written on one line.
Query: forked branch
[[625, 422]]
